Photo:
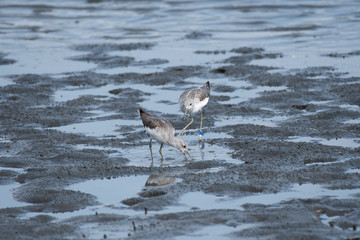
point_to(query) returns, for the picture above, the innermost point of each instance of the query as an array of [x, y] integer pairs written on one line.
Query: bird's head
[[189, 106], [182, 146]]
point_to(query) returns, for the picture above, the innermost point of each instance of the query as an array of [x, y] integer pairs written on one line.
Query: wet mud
[[282, 163]]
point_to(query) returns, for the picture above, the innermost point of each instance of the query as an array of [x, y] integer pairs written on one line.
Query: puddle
[[4, 140], [109, 192], [353, 171], [341, 160], [101, 129], [267, 122], [340, 142], [218, 232], [159, 98], [100, 113], [243, 95], [4, 81], [18, 170], [326, 220], [203, 201], [6, 193], [350, 107], [173, 157], [140, 155], [353, 121], [112, 191], [329, 221], [71, 93], [321, 102]]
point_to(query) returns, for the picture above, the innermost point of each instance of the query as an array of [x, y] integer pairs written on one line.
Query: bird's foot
[[201, 145]]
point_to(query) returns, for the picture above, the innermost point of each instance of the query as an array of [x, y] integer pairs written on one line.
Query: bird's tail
[[207, 86]]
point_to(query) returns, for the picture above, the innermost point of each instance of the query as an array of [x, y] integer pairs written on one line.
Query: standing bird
[[193, 100], [163, 131]]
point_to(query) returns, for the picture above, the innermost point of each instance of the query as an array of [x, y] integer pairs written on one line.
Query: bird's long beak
[[189, 156]]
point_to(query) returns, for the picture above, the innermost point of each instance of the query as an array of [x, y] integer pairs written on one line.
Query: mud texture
[[315, 102], [270, 165]]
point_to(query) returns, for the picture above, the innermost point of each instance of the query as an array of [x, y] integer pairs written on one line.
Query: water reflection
[[159, 180]]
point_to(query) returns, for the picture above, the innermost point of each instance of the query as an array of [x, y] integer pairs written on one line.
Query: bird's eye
[[190, 104], [184, 146]]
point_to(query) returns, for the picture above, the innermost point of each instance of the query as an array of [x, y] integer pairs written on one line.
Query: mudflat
[[280, 158]]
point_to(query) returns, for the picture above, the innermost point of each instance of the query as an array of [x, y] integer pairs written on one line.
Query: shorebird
[[162, 131], [192, 101]]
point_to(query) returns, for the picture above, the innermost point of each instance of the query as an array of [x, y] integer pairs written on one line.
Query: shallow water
[[7, 191], [7, 199], [142, 158], [215, 232], [105, 128], [7, 194], [339, 142], [204, 201], [112, 191], [304, 31]]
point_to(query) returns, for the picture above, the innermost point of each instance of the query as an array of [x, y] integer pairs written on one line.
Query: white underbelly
[[198, 106]]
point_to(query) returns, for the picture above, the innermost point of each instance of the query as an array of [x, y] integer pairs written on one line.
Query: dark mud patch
[[211, 52], [246, 55], [152, 193], [50, 200], [344, 55], [297, 28], [99, 55], [197, 35], [104, 60], [132, 201], [108, 47], [4, 60]]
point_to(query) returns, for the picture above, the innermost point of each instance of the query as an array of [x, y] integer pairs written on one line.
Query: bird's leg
[[191, 158], [201, 120], [182, 131], [152, 159], [161, 152]]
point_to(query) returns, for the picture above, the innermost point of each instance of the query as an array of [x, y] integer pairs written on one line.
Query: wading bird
[[162, 131], [192, 101]]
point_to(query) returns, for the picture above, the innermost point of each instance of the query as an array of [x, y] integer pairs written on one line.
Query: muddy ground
[[270, 164], [316, 104]]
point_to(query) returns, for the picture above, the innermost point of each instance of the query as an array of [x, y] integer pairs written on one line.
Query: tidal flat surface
[[280, 158]]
